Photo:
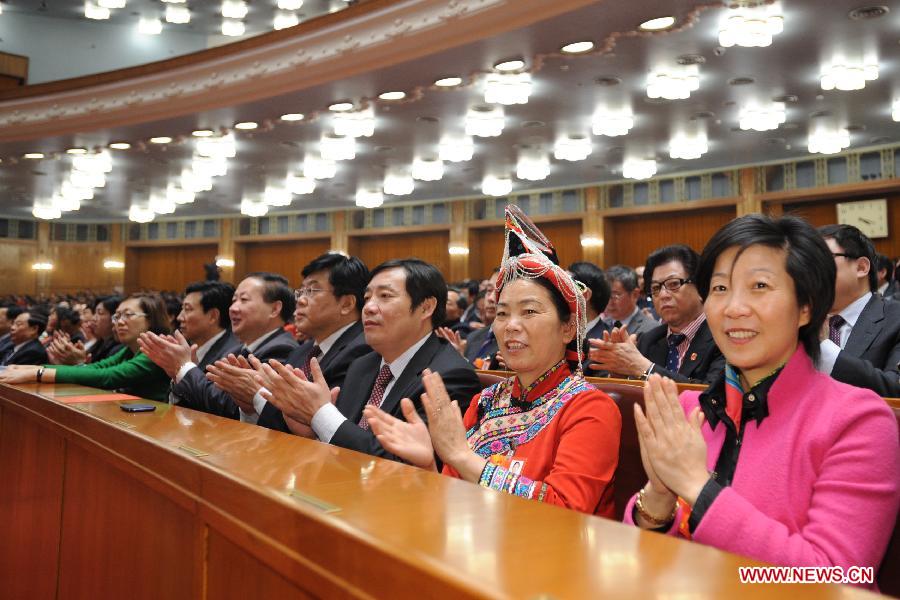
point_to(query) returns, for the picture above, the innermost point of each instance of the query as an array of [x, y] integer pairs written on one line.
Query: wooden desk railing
[[98, 503]]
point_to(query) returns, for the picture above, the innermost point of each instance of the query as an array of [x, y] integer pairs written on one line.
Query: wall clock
[[869, 216]]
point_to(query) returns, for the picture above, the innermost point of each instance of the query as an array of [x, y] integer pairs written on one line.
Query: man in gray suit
[[622, 309], [861, 343]]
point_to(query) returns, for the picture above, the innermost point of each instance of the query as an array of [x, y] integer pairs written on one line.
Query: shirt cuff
[[259, 403], [183, 371], [250, 418], [326, 422], [705, 498], [828, 356]]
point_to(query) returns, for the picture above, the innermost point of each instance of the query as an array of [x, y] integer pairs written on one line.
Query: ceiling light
[[232, 27], [113, 264], [573, 148], [895, 110], [510, 65], [175, 1], [750, 26], [33, 155], [87, 179], [111, 3], [150, 26], [224, 263], [140, 214], [457, 251], [246, 125], [92, 11], [337, 147], [448, 82], [120, 145], [533, 165], [688, 147], [657, 24], [202, 133], [485, 121], [292, 117], [392, 95], [209, 166], [93, 163], [277, 196], [220, 147], [340, 107], [283, 20], [577, 47], [369, 198], [507, 88], [359, 123], [178, 14], [456, 149], [496, 186], [590, 241], [612, 123], [828, 140], [76, 151], [46, 211], [300, 184], [66, 203], [253, 208], [179, 195], [234, 9], [195, 182], [638, 168], [762, 118], [162, 204], [69, 191], [845, 76], [398, 183], [163, 139], [676, 85], [428, 169], [290, 4], [42, 266], [319, 168]]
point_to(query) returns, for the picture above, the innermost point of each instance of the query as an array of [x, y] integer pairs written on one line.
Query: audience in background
[[861, 341], [8, 314], [885, 272], [623, 309], [25, 333], [480, 348]]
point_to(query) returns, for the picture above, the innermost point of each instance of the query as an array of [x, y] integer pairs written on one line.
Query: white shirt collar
[[326, 344], [628, 319], [204, 349], [852, 311], [884, 288], [592, 324], [18, 347], [401, 362], [252, 347]]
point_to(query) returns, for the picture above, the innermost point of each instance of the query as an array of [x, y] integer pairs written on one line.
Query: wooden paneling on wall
[[16, 275], [167, 267], [79, 266], [486, 245], [629, 240], [430, 246], [286, 258]]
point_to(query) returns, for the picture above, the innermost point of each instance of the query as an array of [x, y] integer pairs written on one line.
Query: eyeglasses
[[673, 284], [617, 295], [307, 292], [845, 255], [127, 316]]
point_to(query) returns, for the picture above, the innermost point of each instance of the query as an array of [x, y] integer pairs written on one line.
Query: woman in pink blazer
[[776, 460]]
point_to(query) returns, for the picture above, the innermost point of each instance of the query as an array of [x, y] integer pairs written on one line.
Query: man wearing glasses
[[682, 348], [861, 340]]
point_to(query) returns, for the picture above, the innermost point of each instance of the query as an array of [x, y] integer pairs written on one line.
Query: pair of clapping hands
[[617, 354], [61, 350]]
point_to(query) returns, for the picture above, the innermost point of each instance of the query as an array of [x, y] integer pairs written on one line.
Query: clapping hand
[[170, 353], [288, 389], [453, 337], [237, 381], [407, 439]]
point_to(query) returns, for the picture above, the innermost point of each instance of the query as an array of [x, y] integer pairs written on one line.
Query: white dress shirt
[[829, 349]]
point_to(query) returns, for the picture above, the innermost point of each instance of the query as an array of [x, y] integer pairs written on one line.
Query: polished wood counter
[[99, 503]]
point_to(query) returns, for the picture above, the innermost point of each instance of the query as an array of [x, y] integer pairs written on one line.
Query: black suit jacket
[[6, 347], [476, 340], [436, 354], [703, 362], [31, 353], [104, 349], [596, 332], [349, 346], [871, 355], [199, 393], [221, 348]]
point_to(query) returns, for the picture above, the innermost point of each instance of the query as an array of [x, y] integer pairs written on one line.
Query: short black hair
[[685, 255], [461, 301], [348, 275], [13, 311], [471, 287], [592, 276], [856, 244], [624, 275], [214, 294], [276, 288], [809, 263], [110, 303], [37, 317], [64, 313], [883, 262], [423, 280]]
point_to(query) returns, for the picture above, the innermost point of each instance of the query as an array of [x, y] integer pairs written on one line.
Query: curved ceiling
[[566, 92]]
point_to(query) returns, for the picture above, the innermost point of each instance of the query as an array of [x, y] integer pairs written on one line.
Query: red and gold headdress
[[528, 254]]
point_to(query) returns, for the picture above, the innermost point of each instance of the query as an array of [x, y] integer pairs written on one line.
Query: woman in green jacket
[[128, 370]]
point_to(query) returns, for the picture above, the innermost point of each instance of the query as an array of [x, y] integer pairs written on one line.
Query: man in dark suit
[[683, 349], [481, 345], [24, 334], [861, 345], [8, 314], [328, 314], [596, 297], [262, 304], [405, 302], [623, 309]]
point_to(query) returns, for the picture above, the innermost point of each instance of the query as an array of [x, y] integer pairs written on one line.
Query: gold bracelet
[[655, 522]]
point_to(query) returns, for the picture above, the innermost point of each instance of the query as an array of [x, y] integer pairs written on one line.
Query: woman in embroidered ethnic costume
[[776, 460], [544, 434]]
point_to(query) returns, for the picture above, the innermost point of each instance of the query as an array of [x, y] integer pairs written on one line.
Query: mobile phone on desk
[[134, 407]]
